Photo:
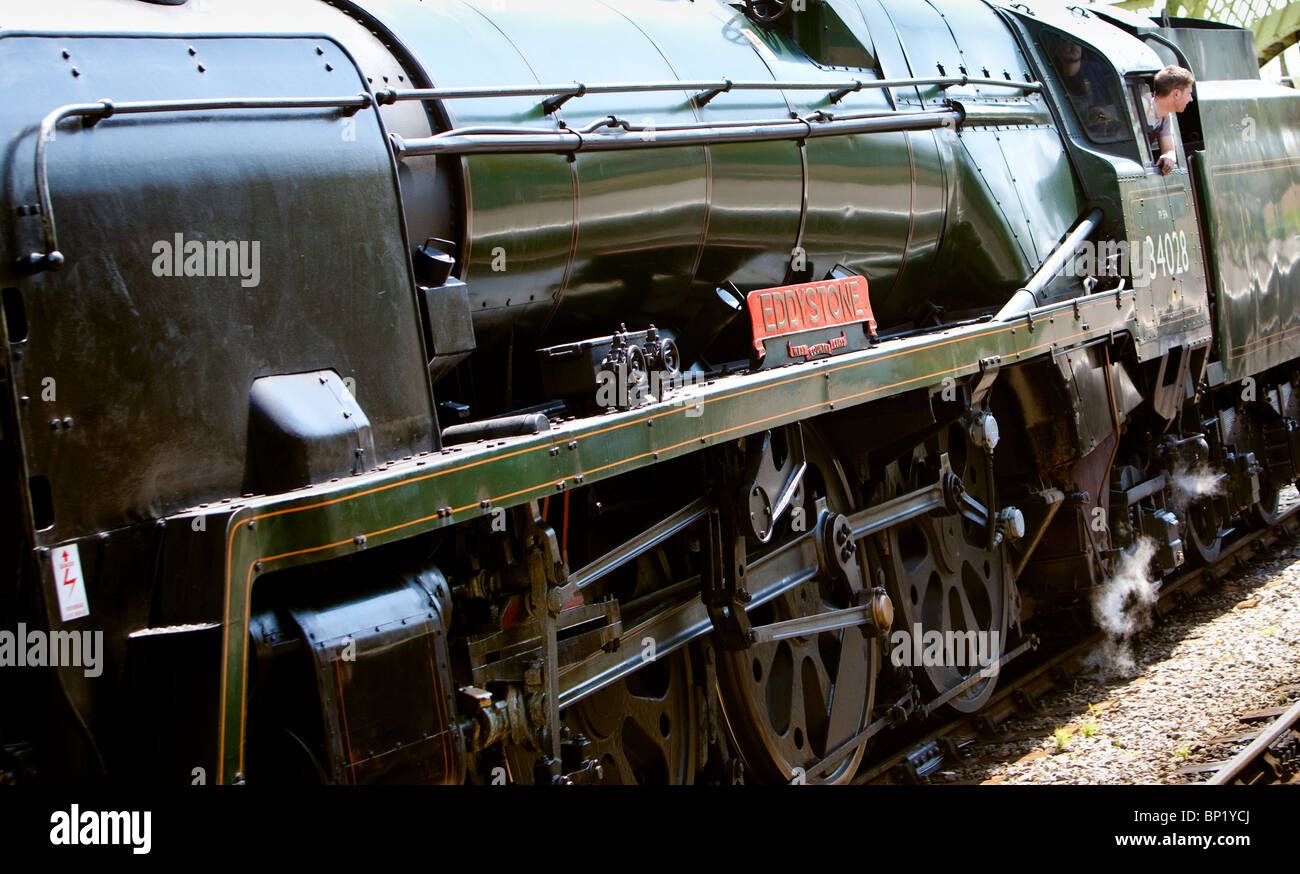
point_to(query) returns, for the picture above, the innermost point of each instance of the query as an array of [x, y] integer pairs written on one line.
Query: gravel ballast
[[1190, 679]]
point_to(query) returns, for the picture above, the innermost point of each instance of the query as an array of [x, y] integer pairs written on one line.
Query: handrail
[[93, 113], [624, 136], [705, 90], [476, 141]]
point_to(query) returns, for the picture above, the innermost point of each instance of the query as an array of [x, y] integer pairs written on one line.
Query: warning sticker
[[69, 584]]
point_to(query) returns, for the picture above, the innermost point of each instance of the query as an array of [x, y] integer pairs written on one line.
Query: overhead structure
[[1276, 23]]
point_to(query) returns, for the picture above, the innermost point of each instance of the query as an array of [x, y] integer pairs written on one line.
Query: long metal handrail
[[705, 90], [479, 141], [93, 113], [456, 142]]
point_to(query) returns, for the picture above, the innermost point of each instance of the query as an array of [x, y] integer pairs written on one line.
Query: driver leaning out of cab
[[1171, 91]]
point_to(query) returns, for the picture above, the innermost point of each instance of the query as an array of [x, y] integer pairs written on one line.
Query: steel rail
[[1238, 764]]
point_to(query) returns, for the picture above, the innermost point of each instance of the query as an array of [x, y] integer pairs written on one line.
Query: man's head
[[1068, 55], [1173, 88]]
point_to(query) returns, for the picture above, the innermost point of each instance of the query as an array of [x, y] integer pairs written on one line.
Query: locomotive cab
[[1150, 238]]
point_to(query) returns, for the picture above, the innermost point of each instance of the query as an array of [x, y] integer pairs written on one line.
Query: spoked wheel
[[642, 729], [1266, 511], [1261, 427], [1204, 531], [944, 580], [790, 703]]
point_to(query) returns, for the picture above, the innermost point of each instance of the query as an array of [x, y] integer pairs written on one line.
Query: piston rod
[[947, 493]]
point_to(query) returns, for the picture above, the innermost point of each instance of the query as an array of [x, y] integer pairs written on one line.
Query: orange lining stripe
[[1264, 337], [1260, 166], [437, 697], [1153, 194], [347, 735], [1246, 172], [1267, 340]]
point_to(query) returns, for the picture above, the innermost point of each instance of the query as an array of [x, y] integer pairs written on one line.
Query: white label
[[69, 584]]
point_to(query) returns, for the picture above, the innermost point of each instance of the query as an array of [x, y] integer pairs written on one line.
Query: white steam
[[1122, 608], [1192, 484]]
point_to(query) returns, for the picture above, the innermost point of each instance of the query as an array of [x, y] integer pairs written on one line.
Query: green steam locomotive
[[609, 391]]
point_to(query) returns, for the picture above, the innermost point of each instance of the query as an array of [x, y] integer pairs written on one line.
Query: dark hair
[[1170, 79]]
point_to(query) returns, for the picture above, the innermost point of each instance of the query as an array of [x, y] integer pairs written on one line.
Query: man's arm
[[1168, 158]]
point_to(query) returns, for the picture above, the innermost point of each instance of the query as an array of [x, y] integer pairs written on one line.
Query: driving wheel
[[791, 702], [952, 594]]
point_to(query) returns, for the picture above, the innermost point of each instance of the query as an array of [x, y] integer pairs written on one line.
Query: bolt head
[[882, 610]]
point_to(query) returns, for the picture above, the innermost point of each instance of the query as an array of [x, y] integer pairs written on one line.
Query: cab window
[[1142, 99], [1090, 86]]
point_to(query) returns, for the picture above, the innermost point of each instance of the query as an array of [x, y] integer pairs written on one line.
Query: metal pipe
[[93, 113], [492, 429], [647, 540], [455, 143], [613, 121], [1054, 499], [1027, 297], [1020, 113], [579, 89], [805, 626]]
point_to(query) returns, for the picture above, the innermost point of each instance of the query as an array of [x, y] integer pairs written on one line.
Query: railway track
[[1018, 694], [1270, 755]]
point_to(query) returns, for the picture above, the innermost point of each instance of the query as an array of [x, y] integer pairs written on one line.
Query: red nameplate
[[793, 309]]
